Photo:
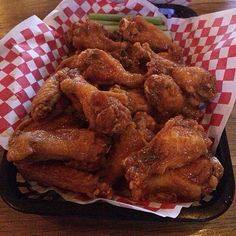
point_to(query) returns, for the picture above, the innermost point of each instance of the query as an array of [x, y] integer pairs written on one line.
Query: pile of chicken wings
[[120, 117]]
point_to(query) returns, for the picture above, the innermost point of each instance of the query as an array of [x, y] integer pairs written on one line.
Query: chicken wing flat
[[178, 143], [101, 68], [49, 94], [135, 99], [137, 29], [91, 35], [189, 183], [66, 178], [104, 112], [198, 83], [64, 144]]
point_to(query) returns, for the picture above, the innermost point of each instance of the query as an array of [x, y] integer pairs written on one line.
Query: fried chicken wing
[[146, 125], [198, 83], [32, 142], [137, 29], [91, 35], [175, 165], [164, 95], [136, 136], [104, 112], [49, 94], [66, 178], [135, 99], [188, 183], [178, 143], [101, 68]]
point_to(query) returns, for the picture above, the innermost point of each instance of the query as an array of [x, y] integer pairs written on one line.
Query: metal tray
[[51, 203]]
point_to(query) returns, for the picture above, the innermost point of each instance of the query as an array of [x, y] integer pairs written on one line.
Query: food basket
[[51, 202]]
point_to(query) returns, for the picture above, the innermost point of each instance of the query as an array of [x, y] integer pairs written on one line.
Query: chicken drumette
[[175, 165], [104, 112], [101, 68]]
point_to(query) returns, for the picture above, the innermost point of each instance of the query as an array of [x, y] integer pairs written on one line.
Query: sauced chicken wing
[[91, 35], [137, 29], [198, 83], [49, 94], [187, 183], [135, 99], [66, 178], [69, 144], [104, 112], [168, 164], [101, 68], [136, 136], [179, 142], [164, 95]]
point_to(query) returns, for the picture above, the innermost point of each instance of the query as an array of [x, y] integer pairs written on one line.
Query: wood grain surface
[[16, 223]]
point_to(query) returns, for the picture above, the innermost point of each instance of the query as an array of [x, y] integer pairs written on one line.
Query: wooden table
[[15, 223]]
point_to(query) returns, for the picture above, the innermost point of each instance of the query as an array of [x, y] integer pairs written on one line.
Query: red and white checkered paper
[[32, 50]]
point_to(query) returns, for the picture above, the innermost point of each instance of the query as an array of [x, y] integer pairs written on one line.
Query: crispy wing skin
[[187, 183], [137, 29], [146, 125], [133, 58], [101, 68], [198, 83], [164, 95], [91, 35], [46, 98], [135, 137], [105, 113], [67, 178], [61, 144], [49, 94], [60, 138], [174, 166], [178, 143], [134, 99]]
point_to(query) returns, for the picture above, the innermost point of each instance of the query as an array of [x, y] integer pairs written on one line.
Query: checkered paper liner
[[31, 51]]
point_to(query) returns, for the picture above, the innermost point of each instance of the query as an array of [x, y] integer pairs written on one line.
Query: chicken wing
[[164, 95], [135, 137], [189, 183], [198, 83], [101, 68], [174, 165], [105, 113], [178, 143], [135, 99], [58, 175], [91, 35], [35, 142], [49, 94], [137, 29]]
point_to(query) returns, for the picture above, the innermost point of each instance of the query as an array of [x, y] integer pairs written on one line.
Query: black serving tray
[[41, 204]]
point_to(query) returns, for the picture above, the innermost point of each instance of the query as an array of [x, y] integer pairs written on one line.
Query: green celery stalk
[[156, 20]]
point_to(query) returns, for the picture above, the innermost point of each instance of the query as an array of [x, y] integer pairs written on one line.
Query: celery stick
[[156, 20], [105, 17], [104, 22], [111, 28]]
